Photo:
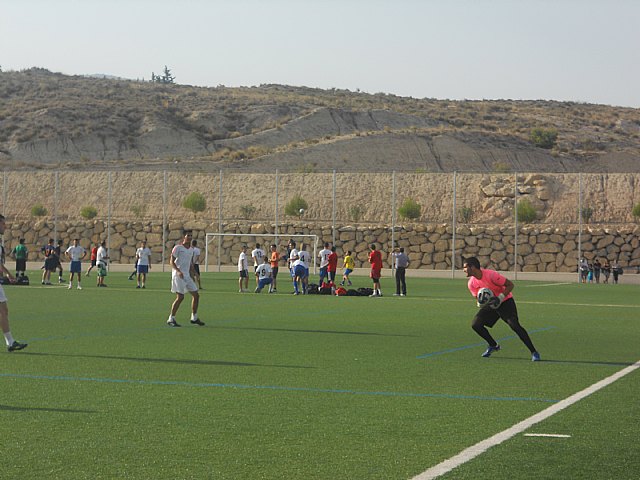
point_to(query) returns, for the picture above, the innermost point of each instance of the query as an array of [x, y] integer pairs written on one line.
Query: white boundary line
[[481, 447]]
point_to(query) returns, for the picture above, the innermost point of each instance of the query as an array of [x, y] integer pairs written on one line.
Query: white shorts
[[3, 297], [182, 285]]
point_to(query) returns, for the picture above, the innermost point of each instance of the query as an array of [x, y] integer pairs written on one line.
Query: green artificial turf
[[287, 387]]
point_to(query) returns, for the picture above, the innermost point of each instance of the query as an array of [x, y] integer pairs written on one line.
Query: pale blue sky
[[580, 50]]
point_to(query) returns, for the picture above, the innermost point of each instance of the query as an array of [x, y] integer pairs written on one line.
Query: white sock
[[172, 318], [194, 316], [9, 339]]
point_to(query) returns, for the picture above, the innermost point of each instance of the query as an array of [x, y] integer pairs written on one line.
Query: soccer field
[[314, 387]]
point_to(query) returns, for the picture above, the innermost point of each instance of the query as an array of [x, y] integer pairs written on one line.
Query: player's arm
[[172, 262], [6, 273]]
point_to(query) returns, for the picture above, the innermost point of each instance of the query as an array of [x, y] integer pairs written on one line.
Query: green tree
[[195, 202], [38, 210], [525, 211], [88, 212], [410, 209], [295, 205], [166, 77], [544, 137]]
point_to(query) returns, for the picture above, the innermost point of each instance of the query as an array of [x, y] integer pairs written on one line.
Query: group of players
[[266, 267], [500, 305]]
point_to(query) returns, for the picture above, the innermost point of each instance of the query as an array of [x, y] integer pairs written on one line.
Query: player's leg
[[509, 313], [486, 317]]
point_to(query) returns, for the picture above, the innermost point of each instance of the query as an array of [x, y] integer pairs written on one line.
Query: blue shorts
[[264, 281], [323, 272], [347, 271], [300, 271], [75, 267], [142, 268]]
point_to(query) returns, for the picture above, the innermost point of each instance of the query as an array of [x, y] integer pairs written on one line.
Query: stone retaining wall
[[540, 249]]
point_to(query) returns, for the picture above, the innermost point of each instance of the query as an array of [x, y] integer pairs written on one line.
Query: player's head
[[244, 248], [471, 266], [187, 235], [292, 244], [274, 248], [194, 243], [22, 240], [51, 241], [326, 244], [75, 242], [257, 245], [333, 249], [401, 249], [104, 243], [2, 224], [372, 247], [349, 253]]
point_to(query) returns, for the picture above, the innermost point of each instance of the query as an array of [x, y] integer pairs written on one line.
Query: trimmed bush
[[195, 202], [526, 212], [38, 210], [410, 209], [88, 212], [295, 204]]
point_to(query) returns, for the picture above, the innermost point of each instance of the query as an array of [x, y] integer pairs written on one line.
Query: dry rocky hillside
[[49, 120]]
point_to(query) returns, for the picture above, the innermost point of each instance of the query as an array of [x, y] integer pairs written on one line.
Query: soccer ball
[[302, 211], [484, 296]]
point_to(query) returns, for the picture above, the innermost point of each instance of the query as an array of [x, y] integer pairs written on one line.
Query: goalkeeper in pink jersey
[[502, 305]]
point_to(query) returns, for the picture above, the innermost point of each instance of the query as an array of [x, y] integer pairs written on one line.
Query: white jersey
[[293, 257], [258, 256], [144, 256], [242, 262], [76, 253], [303, 259], [101, 255], [183, 259], [324, 257], [196, 255], [263, 271]]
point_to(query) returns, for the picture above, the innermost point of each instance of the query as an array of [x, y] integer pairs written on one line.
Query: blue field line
[[451, 350], [274, 387]]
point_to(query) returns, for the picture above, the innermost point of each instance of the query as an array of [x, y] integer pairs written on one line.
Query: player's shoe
[[490, 350], [15, 346], [198, 322], [173, 323], [79, 287], [69, 287], [535, 357]]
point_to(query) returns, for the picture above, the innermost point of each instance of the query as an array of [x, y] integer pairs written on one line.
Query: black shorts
[[93, 262], [196, 267], [506, 311], [21, 264], [274, 272], [243, 274]]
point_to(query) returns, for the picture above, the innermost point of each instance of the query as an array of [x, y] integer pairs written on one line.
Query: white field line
[[552, 435], [546, 285], [481, 447]]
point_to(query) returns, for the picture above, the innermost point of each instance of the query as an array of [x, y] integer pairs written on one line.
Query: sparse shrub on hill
[[410, 209], [587, 213], [544, 137], [88, 212], [295, 204], [356, 212], [525, 211], [636, 212], [195, 202]]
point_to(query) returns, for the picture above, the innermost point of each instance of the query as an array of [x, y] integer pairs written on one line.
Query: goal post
[[216, 240]]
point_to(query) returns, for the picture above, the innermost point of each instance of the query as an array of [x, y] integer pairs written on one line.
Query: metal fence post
[[453, 223], [515, 227]]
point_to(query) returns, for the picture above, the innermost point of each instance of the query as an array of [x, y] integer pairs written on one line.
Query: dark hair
[[472, 262], [372, 246], [194, 242], [333, 249], [326, 244], [402, 249], [187, 232]]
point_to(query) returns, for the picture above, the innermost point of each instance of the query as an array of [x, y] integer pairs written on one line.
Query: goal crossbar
[[209, 237]]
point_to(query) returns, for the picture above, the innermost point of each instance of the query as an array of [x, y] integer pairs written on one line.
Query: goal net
[[222, 249]]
